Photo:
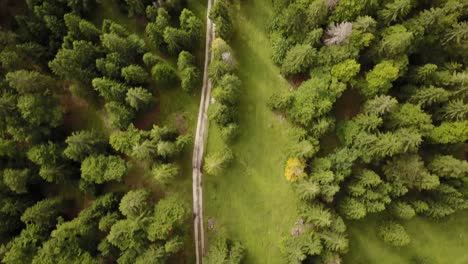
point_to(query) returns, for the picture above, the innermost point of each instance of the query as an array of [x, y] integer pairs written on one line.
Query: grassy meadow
[[251, 201]]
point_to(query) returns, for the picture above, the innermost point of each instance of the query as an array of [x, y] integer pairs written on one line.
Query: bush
[[217, 70], [151, 59], [229, 132], [165, 173], [221, 114], [134, 75], [138, 98], [280, 102], [394, 234], [185, 60], [164, 74], [222, 19], [216, 162], [190, 78]]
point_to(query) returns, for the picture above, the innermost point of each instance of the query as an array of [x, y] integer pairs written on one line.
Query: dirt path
[[199, 144]]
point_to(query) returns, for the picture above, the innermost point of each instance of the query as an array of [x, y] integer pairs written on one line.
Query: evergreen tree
[[81, 144], [134, 75], [100, 168], [138, 98], [394, 234]]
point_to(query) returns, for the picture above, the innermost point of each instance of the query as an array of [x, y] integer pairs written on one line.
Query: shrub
[[394, 234], [164, 74]]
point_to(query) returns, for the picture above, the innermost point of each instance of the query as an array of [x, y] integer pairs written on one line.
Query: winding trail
[[199, 144]]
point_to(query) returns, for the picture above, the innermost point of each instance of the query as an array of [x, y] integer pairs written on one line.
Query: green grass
[[252, 202], [444, 241]]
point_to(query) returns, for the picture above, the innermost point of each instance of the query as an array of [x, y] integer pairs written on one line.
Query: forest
[[330, 124], [65, 193], [401, 151]]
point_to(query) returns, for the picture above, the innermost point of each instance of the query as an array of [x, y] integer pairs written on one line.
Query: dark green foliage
[[314, 98], [455, 110], [45, 154], [402, 210], [221, 114], [40, 110], [128, 47], [395, 10], [349, 10], [70, 241], [379, 80], [165, 173], [367, 194], [150, 59], [138, 98], [221, 17], [352, 209], [176, 39], [226, 251], [49, 157], [135, 203], [394, 234], [406, 60], [81, 144], [448, 167], [17, 180], [410, 116], [100, 168], [280, 48], [280, 102], [396, 40], [410, 170], [169, 213], [297, 248], [41, 154], [380, 105], [164, 74], [450, 132], [77, 62], [189, 74], [185, 37], [159, 143], [111, 65], [109, 89], [155, 30], [120, 115], [89, 31], [134, 75], [29, 81], [44, 213], [228, 89], [136, 7], [215, 163], [24, 247], [298, 59]]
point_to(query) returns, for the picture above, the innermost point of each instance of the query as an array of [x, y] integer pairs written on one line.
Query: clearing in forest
[[251, 200]]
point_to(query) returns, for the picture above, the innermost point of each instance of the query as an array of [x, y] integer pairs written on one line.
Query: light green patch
[[252, 201], [444, 241]]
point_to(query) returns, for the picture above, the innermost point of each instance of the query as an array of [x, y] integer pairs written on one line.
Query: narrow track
[[199, 144]]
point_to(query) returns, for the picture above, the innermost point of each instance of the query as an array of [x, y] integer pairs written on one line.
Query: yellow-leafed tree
[[294, 169]]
